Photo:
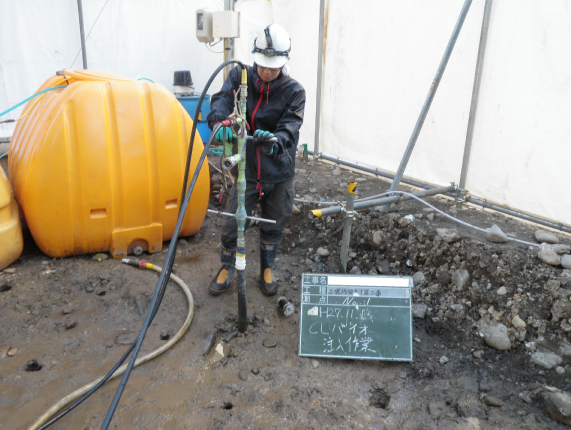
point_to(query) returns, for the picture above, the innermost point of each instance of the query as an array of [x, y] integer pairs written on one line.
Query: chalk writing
[[365, 321]]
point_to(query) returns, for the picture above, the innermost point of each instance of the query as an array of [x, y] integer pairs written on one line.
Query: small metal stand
[[350, 214]]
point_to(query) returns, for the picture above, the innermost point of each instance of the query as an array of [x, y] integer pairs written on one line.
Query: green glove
[[264, 140], [220, 134]]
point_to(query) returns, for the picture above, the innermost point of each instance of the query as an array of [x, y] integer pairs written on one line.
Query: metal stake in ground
[[347, 227]]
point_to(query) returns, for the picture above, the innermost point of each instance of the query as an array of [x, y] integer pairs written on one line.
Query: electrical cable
[[171, 254], [116, 371], [3, 155], [208, 47], [146, 79], [30, 108]]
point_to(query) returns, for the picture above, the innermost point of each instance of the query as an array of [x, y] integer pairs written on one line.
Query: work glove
[[264, 141], [220, 134]]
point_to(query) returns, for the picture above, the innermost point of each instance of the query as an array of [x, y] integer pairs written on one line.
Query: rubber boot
[[222, 279], [268, 282]]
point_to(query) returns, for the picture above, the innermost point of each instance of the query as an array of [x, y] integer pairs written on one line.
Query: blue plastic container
[[190, 103]]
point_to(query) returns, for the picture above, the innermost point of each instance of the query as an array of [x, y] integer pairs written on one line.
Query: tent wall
[[379, 61], [381, 58], [135, 38], [522, 140]]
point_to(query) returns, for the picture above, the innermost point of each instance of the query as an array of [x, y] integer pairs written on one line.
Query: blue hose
[[31, 97]]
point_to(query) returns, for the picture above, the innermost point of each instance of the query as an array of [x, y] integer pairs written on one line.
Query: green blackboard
[[356, 316]]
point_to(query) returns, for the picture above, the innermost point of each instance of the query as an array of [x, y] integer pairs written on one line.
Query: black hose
[[171, 254], [115, 367], [161, 284], [90, 392], [195, 120], [161, 291]]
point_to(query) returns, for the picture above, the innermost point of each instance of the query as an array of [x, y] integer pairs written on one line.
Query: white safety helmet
[[272, 47]]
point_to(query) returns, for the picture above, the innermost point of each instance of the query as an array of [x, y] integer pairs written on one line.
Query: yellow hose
[[81, 391]]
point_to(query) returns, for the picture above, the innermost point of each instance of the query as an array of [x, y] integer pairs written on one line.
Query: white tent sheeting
[[379, 61]]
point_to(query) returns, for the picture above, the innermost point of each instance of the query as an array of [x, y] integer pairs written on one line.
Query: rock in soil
[[557, 404], [545, 236], [495, 234], [546, 359]]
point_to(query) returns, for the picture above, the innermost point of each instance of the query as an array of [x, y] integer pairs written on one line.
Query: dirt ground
[[64, 322]]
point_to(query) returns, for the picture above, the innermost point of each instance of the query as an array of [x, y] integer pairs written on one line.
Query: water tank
[[99, 165], [11, 241]]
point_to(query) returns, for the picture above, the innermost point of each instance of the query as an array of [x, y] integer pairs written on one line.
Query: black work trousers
[[276, 202]]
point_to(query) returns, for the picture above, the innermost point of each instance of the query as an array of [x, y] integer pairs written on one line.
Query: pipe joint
[[229, 162]]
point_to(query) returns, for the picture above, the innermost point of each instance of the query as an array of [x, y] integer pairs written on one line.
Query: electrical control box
[[204, 26], [225, 23]]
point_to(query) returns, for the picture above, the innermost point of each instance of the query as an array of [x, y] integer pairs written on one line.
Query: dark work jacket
[[277, 107]]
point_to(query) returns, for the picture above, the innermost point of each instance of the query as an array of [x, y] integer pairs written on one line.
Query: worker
[[275, 108]]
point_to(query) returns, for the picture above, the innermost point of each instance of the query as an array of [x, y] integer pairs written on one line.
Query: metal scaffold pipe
[[82, 33], [319, 74], [474, 102], [382, 201], [475, 201], [518, 214], [375, 172], [431, 94], [228, 41]]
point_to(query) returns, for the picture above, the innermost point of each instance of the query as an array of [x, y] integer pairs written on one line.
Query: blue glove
[[264, 141], [220, 134]]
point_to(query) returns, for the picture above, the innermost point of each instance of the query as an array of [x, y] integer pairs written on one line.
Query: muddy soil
[[65, 322]]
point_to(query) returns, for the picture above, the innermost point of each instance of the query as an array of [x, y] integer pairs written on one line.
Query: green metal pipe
[[241, 211]]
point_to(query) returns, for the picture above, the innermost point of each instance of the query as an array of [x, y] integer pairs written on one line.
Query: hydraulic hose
[[97, 384], [169, 260], [119, 371], [196, 116], [165, 272]]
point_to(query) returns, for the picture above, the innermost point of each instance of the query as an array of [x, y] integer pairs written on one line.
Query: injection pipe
[[383, 201], [241, 211]]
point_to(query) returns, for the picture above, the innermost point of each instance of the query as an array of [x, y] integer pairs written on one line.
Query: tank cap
[[183, 78]]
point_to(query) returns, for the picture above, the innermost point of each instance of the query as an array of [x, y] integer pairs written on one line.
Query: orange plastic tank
[[98, 165], [11, 241]]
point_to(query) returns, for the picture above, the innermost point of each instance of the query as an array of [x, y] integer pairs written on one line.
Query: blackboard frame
[[346, 316]]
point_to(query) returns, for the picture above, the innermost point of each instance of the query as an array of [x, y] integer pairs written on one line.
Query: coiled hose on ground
[[81, 391], [165, 275]]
